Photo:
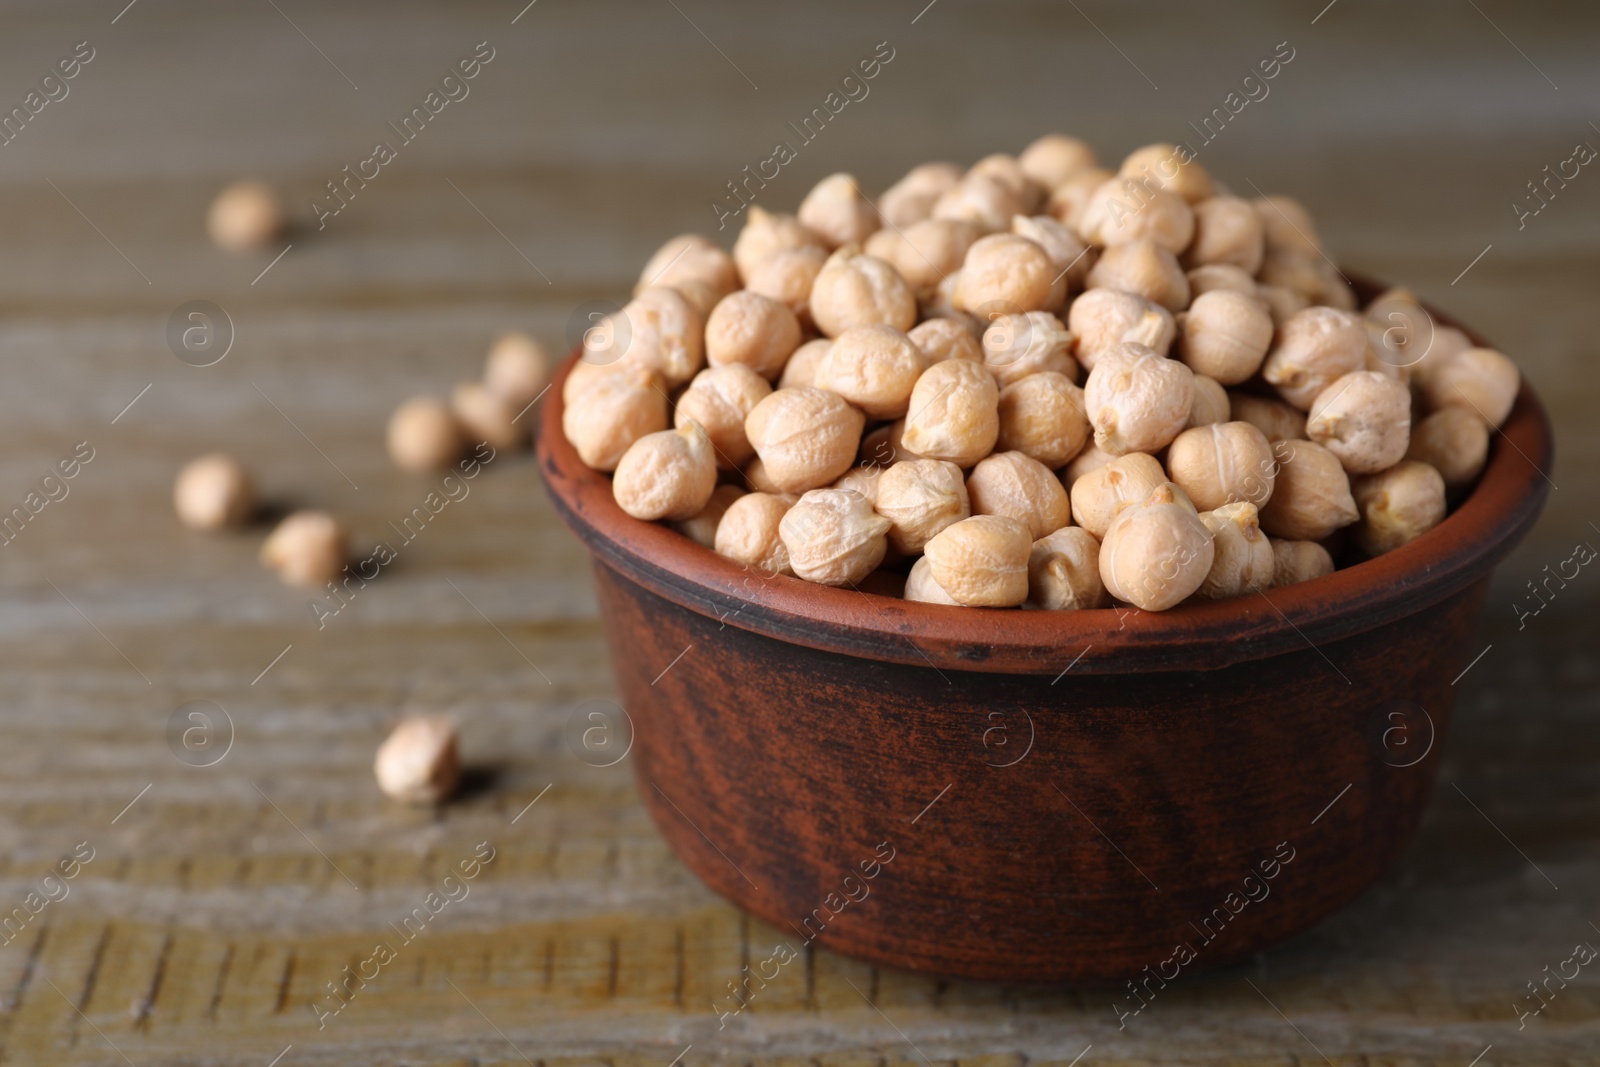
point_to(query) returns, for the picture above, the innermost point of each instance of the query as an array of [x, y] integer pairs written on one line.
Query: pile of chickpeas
[[1033, 382]]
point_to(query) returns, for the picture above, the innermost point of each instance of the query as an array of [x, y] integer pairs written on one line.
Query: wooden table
[[222, 900]]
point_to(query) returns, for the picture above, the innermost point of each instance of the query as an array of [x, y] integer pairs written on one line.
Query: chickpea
[[802, 366], [921, 497], [756, 477], [1315, 347], [214, 492], [911, 199], [926, 252], [1007, 273], [1092, 458], [942, 339], [1166, 166], [981, 199], [1225, 336], [834, 537], [517, 368], [941, 303], [806, 437], [1054, 158], [1243, 560], [863, 479], [1210, 403], [748, 532], [669, 474], [719, 400], [1069, 201], [1446, 344], [1145, 269], [767, 233], [702, 527], [1064, 572], [1480, 379], [1364, 419], [1136, 400], [1281, 303], [1298, 561], [1042, 416], [658, 329], [1381, 358], [1289, 268], [1156, 552], [860, 290], [836, 209], [1008, 172], [1285, 223], [1068, 255], [1397, 505], [1103, 319], [954, 413], [1220, 276], [982, 561], [1223, 463], [1098, 494], [584, 375], [1277, 420], [1310, 493], [920, 585], [1227, 231], [1453, 441], [485, 415], [245, 215], [1015, 346], [614, 412], [1336, 291], [1119, 211], [788, 276], [691, 260], [1014, 485], [885, 445], [754, 330], [309, 548], [424, 435], [419, 763], [873, 367]]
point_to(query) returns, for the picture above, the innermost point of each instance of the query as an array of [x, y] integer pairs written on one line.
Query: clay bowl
[[1041, 796]]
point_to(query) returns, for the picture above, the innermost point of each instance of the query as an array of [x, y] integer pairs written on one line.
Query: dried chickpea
[[788, 277], [1119, 211], [1070, 200], [1223, 463], [765, 234], [1453, 441], [1068, 255], [1220, 276], [1098, 494], [834, 537], [485, 415], [920, 585], [585, 374], [1092, 458], [1225, 336], [1298, 561], [658, 329], [701, 528], [836, 210], [1227, 231], [911, 199], [1136, 400], [925, 252], [754, 330], [1006, 273], [1145, 269], [1314, 348], [884, 445], [801, 369], [1064, 572], [863, 479], [1008, 172], [981, 199], [1363, 418], [756, 477], [1447, 343], [1285, 223], [1042, 416], [854, 289], [982, 561], [1310, 493], [1166, 166], [308, 548], [518, 368], [942, 339], [873, 367], [1021, 488], [1281, 303], [1054, 158], [419, 763], [719, 400], [1479, 379], [214, 492], [612, 413], [1277, 420], [669, 475], [424, 435], [1289, 268], [1397, 505], [691, 260], [245, 215], [748, 532], [1243, 560], [805, 437], [1102, 319], [1015, 346], [1210, 403], [921, 497], [954, 413], [1156, 552]]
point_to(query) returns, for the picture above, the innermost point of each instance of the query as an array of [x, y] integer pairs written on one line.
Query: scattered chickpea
[[1064, 572], [920, 585], [1277, 420], [1310, 493], [1119, 211], [1298, 561], [1243, 560], [1098, 494], [942, 339], [765, 234], [805, 437], [1054, 158], [834, 537], [1042, 416], [666, 475], [1225, 336], [1210, 404], [788, 276], [611, 414], [1166, 166], [754, 330], [1315, 347], [691, 259], [1068, 255], [418, 763], [1016, 346], [1453, 441], [982, 561], [517, 368], [1021, 488], [920, 498], [1069, 201], [485, 415], [719, 400], [873, 367], [1102, 319], [245, 215], [1397, 505], [954, 413], [1227, 231], [308, 548], [748, 532], [911, 199], [1136, 400], [981, 199], [836, 210], [854, 289], [1220, 276], [1479, 379], [424, 435], [802, 366], [1145, 269], [701, 528], [926, 252], [1223, 463], [214, 492], [1285, 223], [1007, 273], [1156, 552], [1363, 418]]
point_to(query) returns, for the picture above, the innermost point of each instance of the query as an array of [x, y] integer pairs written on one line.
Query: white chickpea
[[1220, 276], [1479, 379], [921, 587], [805, 437], [611, 414], [485, 415], [1210, 404], [860, 290], [1281, 303], [1310, 493], [658, 329], [752, 329], [1016, 346], [1068, 255], [1092, 458], [1166, 166], [245, 215], [1064, 572], [419, 762], [308, 548], [518, 368], [691, 260], [756, 477], [584, 374], [424, 435], [1277, 420], [214, 492], [981, 199], [873, 367], [1007, 170], [1315, 347], [1099, 493], [911, 199], [920, 498], [1145, 269], [1004, 273], [982, 561], [954, 413], [666, 475], [748, 532], [1119, 211], [1054, 158], [926, 252], [1102, 319], [1453, 441], [1021, 488], [1445, 345], [1157, 552], [701, 528], [836, 209], [942, 339], [1397, 505], [1364, 418], [1136, 400], [1070, 200], [1042, 416], [719, 400], [1289, 268], [885, 445], [801, 369], [1227, 231], [1223, 463], [767, 233], [1243, 560], [1285, 223], [1298, 561], [1225, 336], [788, 276], [862, 479], [834, 537]]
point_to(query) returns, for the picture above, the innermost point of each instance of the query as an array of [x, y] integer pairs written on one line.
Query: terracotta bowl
[[1082, 797]]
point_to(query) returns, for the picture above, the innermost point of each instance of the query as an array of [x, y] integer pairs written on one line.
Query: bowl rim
[[1195, 635]]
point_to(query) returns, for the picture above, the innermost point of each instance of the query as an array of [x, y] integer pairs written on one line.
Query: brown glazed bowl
[[1085, 797]]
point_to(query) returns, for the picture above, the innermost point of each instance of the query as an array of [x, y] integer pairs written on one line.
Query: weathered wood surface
[[219, 904]]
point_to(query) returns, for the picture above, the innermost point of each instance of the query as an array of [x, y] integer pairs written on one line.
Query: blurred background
[[224, 898]]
